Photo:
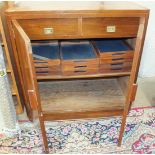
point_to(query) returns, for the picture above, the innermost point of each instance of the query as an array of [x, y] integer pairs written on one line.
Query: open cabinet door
[[24, 52]]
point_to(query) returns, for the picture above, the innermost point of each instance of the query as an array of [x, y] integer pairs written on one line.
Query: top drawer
[[49, 28], [110, 27]]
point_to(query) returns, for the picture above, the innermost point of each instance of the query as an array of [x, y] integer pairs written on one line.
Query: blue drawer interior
[[77, 51], [111, 45], [48, 51]]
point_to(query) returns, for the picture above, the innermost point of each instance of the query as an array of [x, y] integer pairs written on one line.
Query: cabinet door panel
[[24, 52]]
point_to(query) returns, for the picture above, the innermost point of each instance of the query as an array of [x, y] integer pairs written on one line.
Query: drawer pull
[[48, 30], [44, 67], [111, 29], [118, 64], [117, 59], [116, 68], [80, 66], [40, 62], [79, 71], [42, 72]]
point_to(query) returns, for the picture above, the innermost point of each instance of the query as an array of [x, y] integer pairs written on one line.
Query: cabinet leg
[[44, 136], [122, 130], [126, 111]]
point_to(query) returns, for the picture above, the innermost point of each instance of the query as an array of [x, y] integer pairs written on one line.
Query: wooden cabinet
[[114, 68]]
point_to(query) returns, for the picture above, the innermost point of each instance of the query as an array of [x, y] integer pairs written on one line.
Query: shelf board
[[81, 96], [59, 77]]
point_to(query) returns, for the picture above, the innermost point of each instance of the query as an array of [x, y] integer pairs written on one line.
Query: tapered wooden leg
[[44, 136], [127, 108], [122, 130]]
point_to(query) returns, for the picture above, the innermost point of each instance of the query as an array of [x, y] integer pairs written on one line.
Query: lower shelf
[[57, 76], [81, 96]]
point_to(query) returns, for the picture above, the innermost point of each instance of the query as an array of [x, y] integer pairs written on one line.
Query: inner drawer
[[113, 50], [78, 57], [46, 58]]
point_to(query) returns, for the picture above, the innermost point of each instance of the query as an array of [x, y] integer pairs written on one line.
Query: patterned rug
[[87, 136]]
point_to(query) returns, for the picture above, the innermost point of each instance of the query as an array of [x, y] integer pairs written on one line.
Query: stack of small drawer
[[78, 58], [46, 58], [115, 55]]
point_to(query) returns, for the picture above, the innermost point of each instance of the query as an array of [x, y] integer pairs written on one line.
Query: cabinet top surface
[[75, 6]]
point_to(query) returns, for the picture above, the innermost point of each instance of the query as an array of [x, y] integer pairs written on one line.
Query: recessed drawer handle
[[39, 67], [40, 62], [115, 59], [80, 71], [42, 72], [80, 66], [116, 68], [118, 64], [48, 30]]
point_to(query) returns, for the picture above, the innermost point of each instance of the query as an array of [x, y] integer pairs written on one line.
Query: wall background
[[147, 66]]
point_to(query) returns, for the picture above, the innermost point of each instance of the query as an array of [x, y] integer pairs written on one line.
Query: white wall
[[147, 66]]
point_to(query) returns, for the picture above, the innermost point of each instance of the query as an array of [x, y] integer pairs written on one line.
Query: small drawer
[[115, 60], [115, 67], [110, 27], [78, 58], [46, 58], [49, 28], [44, 68], [117, 56], [113, 51]]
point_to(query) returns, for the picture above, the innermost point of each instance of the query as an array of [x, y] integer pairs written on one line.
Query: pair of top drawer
[[89, 27]]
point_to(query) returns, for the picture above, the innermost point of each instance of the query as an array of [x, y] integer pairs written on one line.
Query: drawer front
[[110, 27], [45, 68], [116, 56], [116, 67], [115, 60], [80, 67], [50, 28]]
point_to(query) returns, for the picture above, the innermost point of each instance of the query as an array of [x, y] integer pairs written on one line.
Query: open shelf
[[82, 96]]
